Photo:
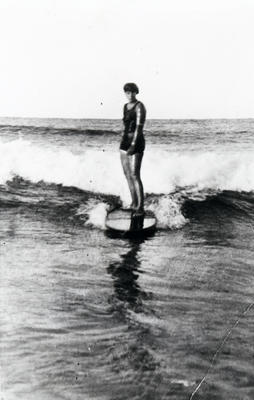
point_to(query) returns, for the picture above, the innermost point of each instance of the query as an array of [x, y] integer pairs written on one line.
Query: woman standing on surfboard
[[132, 146]]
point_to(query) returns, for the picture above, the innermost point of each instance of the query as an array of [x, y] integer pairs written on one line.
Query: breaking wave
[[169, 177]]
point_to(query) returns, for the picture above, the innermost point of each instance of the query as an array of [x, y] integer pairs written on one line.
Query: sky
[[71, 58]]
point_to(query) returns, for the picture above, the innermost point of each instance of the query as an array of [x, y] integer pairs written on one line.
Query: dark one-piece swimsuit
[[129, 120]]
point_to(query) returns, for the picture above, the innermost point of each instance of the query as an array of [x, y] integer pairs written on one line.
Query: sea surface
[[84, 316]]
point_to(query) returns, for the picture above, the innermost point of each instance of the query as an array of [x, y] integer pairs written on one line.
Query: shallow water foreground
[[84, 316]]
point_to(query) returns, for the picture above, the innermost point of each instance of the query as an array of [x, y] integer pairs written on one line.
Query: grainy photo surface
[[126, 200]]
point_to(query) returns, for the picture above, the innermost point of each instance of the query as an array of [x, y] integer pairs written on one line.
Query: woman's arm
[[141, 116], [123, 126]]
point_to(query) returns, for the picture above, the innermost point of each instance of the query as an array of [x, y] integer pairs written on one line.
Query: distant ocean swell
[[170, 178], [25, 129]]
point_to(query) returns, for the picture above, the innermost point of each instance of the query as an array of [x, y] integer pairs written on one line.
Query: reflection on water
[[130, 304], [125, 274]]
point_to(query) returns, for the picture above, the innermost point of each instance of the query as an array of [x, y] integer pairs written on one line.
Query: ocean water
[[88, 317]]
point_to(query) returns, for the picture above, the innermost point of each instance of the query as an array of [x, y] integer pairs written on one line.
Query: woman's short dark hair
[[131, 87]]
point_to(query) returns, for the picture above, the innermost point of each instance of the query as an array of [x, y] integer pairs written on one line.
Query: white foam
[[167, 210], [97, 215], [100, 171]]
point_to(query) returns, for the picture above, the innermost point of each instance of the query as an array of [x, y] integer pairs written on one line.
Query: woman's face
[[131, 96]]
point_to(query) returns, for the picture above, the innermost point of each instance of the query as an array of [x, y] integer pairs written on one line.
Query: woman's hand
[[131, 150]]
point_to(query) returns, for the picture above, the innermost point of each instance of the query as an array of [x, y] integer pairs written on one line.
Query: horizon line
[[117, 119]]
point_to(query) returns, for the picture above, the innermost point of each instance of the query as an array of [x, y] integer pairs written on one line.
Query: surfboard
[[123, 222]]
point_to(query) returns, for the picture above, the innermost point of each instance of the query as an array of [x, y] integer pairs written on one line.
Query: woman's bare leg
[[135, 165], [125, 160]]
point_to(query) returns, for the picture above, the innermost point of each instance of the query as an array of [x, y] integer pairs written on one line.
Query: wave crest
[[100, 171]]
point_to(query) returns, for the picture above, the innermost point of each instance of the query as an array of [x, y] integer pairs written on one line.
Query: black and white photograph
[[126, 199]]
